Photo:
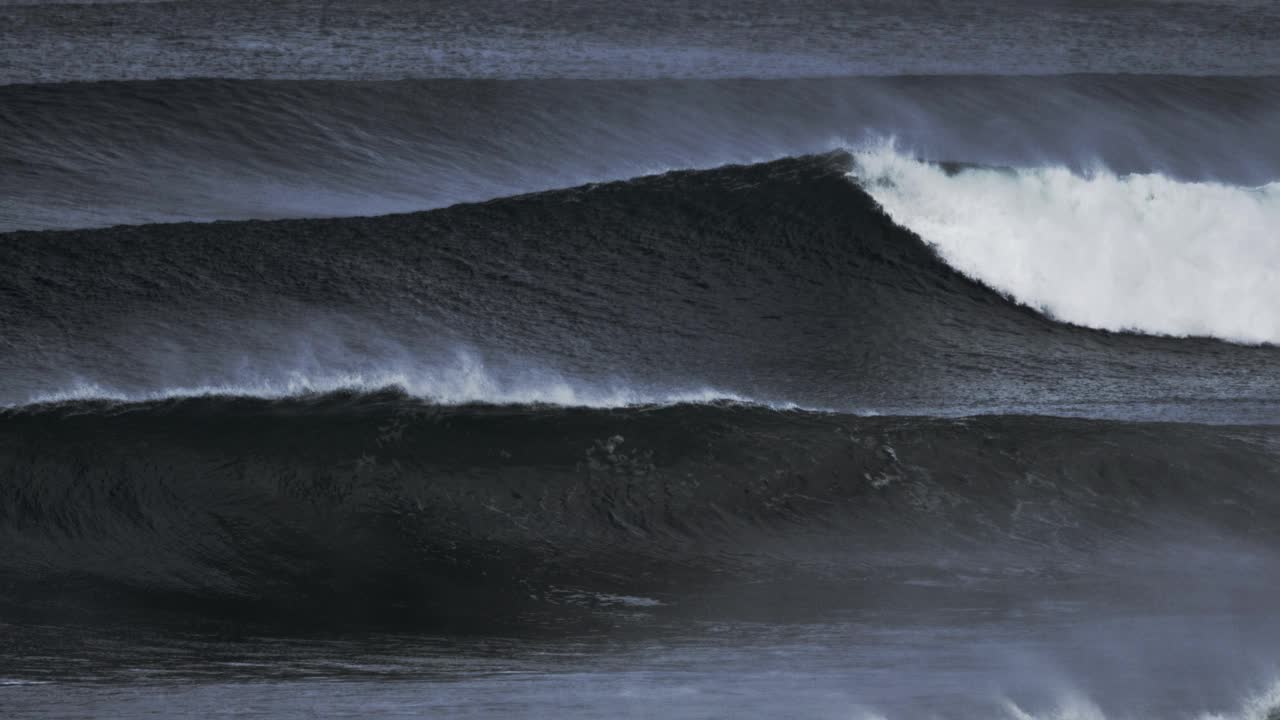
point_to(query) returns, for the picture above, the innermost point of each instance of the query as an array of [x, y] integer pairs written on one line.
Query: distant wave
[[667, 38], [1137, 253], [106, 153]]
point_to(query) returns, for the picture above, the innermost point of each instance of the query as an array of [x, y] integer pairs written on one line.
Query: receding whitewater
[[872, 360]]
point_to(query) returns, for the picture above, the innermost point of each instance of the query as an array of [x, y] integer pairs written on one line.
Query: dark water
[[369, 508], [872, 360], [104, 153], [393, 39]]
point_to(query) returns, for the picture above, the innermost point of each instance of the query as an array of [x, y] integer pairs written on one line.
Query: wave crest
[[1139, 253], [464, 381]]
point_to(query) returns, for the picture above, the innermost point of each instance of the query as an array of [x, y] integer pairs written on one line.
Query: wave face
[[1139, 253], [93, 154], [364, 507], [782, 283]]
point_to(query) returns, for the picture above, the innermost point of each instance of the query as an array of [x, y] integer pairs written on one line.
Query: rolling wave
[[382, 508], [781, 283], [1137, 253], [1262, 704]]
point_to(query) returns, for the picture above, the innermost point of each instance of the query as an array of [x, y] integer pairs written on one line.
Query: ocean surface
[[866, 360]]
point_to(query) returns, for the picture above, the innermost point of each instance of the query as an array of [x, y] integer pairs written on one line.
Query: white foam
[[1069, 708], [1256, 707], [1260, 706], [1141, 253], [464, 381], [609, 599]]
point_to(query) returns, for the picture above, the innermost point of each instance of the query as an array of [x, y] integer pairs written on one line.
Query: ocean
[[866, 360]]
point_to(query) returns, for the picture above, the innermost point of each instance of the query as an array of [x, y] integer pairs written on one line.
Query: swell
[[105, 153], [363, 507], [783, 283], [391, 39]]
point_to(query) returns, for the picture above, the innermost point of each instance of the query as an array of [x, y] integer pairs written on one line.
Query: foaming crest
[[466, 381], [1141, 253]]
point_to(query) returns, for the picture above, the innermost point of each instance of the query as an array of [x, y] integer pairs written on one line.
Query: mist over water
[[710, 668], [466, 561], [487, 303]]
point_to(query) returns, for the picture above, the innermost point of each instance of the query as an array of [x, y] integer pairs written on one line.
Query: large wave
[[782, 283], [378, 507]]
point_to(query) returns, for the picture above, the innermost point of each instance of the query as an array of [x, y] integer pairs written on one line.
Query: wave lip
[[1134, 253]]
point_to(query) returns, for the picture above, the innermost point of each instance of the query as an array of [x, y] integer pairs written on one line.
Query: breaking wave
[[1139, 253], [781, 283], [105, 153]]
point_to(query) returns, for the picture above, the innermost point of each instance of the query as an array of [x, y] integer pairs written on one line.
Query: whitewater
[[1126, 253]]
